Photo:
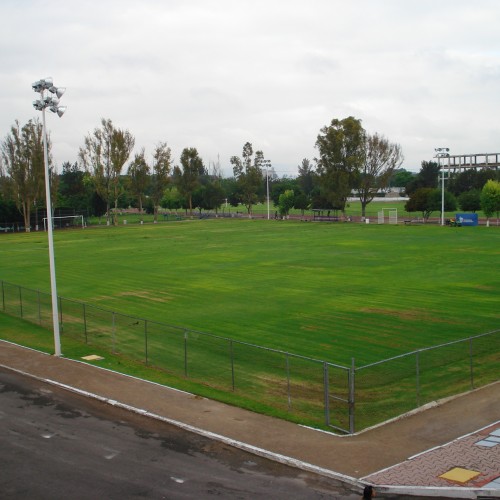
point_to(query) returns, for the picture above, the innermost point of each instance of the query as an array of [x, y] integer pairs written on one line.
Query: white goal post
[[65, 221], [392, 216]]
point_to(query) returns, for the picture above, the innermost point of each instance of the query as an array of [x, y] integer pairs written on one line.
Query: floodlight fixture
[[59, 110], [38, 105], [43, 84], [58, 91]]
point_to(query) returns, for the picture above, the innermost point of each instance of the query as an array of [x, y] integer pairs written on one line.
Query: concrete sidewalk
[[351, 458]]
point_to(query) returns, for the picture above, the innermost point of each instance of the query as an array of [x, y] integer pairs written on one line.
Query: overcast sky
[[214, 74]]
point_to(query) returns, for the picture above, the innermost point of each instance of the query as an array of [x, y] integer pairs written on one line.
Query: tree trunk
[[27, 215], [115, 214]]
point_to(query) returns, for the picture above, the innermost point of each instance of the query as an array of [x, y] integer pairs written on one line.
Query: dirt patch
[[156, 297], [407, 314]]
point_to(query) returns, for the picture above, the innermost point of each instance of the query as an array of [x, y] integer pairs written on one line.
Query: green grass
[[326, 291]]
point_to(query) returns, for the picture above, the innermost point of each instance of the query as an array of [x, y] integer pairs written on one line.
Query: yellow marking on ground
[[460, 475]]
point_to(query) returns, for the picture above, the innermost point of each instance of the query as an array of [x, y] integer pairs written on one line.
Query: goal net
[[63, 222], [388, 214]]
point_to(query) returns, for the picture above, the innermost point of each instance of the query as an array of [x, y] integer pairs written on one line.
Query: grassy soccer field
[[328, 291]]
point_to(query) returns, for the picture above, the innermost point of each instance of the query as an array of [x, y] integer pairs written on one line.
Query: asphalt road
[[55, 444]]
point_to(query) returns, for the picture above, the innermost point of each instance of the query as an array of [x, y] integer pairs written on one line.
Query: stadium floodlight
[[58, 91], [43, 84], [442, 153], [52, 103], [267, 166]]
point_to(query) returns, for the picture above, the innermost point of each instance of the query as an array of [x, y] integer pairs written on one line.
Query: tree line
[[104, 178], [470, 190]]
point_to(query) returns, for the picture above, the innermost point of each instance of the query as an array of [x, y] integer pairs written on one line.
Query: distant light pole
[[48, 101], [267, 166], [442, 153]]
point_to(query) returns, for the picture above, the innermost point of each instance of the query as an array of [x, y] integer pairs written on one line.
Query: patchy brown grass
[[407, 314]]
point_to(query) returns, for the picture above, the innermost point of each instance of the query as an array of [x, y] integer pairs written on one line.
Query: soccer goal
[[389, 214], [66, 221]]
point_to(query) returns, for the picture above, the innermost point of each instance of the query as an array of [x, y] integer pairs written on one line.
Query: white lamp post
[[442, 153], [48, 101], [267, 165]]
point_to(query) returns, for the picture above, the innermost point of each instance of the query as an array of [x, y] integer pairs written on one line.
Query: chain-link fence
[[391, 387], [348, 399]]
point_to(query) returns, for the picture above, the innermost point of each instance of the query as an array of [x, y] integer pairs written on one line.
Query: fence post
[[185, 353], [352, 400], [146, 338], [417, 363], [60, 313], [21, 301], [326, 393], [471, 364], [113, 341], [85, 322], [39, 307], [288, 381], [231, 353]]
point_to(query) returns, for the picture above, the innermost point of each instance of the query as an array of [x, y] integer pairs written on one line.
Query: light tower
[[51, 101]]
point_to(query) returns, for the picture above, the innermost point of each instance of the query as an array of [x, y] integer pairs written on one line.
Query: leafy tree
[[98, 206], [341, 155], [160, 175], [380, 160], [172, 199], [301, 202], [418, 202], [187, 179], [286, 201], [470, 201], [428, 200], [401, 177], [23, 158], [248, 176], [75, 187], [427, 177], [435, 201], [306, 177], [9, 213], [212, 195], [122, 144], [139, 172], [279, 186], [490, 198], [231, 191], [104, 154], [470, 179]]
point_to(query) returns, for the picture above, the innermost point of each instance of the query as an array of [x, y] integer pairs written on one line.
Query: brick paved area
[[426, 468]]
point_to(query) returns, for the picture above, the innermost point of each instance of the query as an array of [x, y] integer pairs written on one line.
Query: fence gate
[[338, 383]]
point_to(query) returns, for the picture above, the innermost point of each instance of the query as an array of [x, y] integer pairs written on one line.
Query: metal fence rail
[[348, 399]]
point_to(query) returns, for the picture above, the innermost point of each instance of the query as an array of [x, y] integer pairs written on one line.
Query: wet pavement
[[449, 450]]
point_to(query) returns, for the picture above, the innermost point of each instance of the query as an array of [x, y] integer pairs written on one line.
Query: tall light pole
[[442, 153], [51, 102], [267, 166]]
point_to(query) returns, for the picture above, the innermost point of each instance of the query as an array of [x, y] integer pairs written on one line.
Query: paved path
[[353, 458]]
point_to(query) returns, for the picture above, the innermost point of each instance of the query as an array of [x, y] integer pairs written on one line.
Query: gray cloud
[[214, 74]]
